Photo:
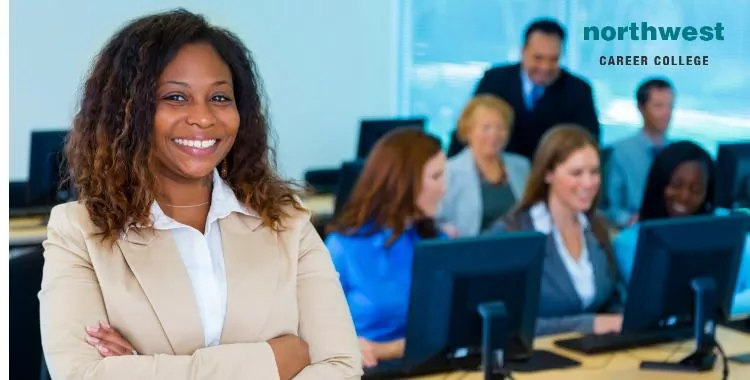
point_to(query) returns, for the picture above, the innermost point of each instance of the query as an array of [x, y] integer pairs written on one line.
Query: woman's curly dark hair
[[109, 151]]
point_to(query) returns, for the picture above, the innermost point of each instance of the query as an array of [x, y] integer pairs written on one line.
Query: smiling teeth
[[679, 208], [201, 144]]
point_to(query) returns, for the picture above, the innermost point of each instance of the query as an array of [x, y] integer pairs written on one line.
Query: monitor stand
[[495, 342], [703, 358]]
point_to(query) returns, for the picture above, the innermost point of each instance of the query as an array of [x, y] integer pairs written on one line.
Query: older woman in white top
[[484, 182]]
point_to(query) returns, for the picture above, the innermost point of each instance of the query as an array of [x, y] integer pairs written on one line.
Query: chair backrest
[[348, 177], [26, 357], [605, 156], [322, 181], [456, 146]]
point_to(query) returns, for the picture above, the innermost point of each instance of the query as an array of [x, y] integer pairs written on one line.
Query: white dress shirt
[[203, 257], [581, 271]]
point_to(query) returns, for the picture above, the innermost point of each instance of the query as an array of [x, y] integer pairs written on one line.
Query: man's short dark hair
[[644, 90], [546, 26]]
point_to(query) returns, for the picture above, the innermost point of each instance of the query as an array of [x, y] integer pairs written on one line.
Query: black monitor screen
[[733, 175], [671, 253], [370, 131], [46, 168], [472, 290], [451, 278]]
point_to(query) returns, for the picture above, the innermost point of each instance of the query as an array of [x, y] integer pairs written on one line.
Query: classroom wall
[[325, 63]]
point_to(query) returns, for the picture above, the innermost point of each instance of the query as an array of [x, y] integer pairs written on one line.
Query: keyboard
[[597, 344]]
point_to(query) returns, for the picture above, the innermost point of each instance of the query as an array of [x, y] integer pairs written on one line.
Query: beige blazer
[[277, 283]]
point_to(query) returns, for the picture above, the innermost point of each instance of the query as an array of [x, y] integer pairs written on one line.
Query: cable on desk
[[605, 365], [725, 371], [674, 351]]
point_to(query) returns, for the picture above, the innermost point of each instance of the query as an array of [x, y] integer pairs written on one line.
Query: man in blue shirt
[[631, 158]]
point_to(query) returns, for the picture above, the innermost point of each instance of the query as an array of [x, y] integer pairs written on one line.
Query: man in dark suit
[[540, 92]]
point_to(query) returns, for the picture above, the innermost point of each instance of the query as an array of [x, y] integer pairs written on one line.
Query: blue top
[[627, 172], [376, 280], [625, 246]]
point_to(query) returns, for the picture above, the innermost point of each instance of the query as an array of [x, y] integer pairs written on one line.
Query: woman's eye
[[221, 98], [175, 97]]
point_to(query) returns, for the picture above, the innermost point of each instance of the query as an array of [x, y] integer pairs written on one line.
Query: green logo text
[[646, 32]]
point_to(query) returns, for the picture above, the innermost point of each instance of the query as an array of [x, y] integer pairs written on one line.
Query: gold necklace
[[190, 206]]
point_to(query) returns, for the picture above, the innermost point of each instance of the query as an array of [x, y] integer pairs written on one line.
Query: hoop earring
[[224, 169]]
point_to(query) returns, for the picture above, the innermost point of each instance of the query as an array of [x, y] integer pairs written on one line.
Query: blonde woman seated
[[484, 182]]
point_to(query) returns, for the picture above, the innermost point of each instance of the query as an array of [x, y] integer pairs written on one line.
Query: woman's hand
[[369, 357], [450, 230], [373, 352], [292, 355], [633, 219], [607, 323], [108, 341]]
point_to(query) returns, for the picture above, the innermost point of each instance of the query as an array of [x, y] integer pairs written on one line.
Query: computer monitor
[[685, 272], [671, 253], [733, 175], [451, 279], [681, 286], [18, 194], [370, 131], [348, 176], [46, 168]]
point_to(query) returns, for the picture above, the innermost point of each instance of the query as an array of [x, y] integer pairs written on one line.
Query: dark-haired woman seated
[[391, 207], [186, 256], [579, 289], [681, 183]]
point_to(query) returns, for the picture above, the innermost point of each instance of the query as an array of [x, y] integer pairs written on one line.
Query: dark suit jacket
[[568, 100], [560, 308]]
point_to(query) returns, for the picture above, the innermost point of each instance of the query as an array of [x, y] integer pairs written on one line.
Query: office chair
[[350, 171], [26, 357], [322, 181], [605, 156], [456, 146]]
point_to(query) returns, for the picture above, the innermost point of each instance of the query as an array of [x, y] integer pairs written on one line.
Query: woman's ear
[[548, 177]]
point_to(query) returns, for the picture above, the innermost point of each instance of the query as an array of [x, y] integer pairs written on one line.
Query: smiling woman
[[186, 256], [196, 120], [681, 183], [579, 288]]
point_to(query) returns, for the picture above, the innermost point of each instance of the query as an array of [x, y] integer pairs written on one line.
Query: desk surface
[[33, 230], [625, 365]]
